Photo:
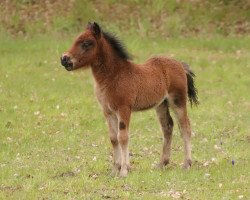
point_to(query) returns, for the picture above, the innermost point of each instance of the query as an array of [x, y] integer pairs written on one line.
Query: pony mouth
[[66, 62], [69, 68]]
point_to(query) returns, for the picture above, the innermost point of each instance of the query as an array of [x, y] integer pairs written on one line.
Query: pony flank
[[123, 87]]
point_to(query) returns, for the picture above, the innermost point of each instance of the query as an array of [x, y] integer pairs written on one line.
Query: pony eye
[[86, 44]]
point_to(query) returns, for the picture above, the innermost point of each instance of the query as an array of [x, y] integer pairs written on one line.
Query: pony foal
[[123, 87]]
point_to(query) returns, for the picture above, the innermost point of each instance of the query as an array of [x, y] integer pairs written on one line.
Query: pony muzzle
[[67, 63]]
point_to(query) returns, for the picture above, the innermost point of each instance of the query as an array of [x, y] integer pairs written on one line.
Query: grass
[[53, 138], [54, 142]]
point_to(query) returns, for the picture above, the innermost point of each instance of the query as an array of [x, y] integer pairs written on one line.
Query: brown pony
[[123, 87]]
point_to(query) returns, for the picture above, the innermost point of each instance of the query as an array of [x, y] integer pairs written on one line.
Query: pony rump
[[192, 90]]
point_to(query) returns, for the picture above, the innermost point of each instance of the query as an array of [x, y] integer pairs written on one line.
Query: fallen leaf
[[206, 175], [37, 113]]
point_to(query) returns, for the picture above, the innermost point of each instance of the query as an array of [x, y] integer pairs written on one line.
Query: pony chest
[[104, 96]]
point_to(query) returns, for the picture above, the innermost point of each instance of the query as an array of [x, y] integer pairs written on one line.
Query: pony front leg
[[113, 132], [123, 139]]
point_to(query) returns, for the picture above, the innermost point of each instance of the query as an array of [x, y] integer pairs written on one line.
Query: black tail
[[192, 91]]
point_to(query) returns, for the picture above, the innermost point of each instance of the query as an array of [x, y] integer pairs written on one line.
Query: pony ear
[[96, 30], [89, 25]]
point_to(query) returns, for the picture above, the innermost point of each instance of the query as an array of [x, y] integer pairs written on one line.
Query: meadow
[[54, 141]]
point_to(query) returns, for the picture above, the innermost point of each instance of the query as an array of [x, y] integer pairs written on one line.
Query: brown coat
[[123, 87]]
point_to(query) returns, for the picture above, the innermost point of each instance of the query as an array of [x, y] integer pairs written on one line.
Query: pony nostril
[[65, 60]]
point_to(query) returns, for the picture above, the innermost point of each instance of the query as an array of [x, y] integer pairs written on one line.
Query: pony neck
[[107, 65]]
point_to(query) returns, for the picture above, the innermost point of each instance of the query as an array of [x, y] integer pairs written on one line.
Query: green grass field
[[54, 142]]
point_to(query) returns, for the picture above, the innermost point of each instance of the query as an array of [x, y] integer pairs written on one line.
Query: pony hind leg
[[167, 124], [180, 109]]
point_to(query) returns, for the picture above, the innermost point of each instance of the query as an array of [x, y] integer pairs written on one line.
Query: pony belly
[[146, 105]]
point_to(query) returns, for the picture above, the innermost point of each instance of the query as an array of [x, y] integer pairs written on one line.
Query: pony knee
[[123, 133], [122, 125]]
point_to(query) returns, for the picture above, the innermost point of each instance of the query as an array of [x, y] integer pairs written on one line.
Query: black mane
[[117, 45]]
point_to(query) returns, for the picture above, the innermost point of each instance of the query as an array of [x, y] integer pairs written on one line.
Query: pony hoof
[[187, 164], [161, 164], [114, 172], [128, 167], [158, 166], [116, 169], [123, 173]]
